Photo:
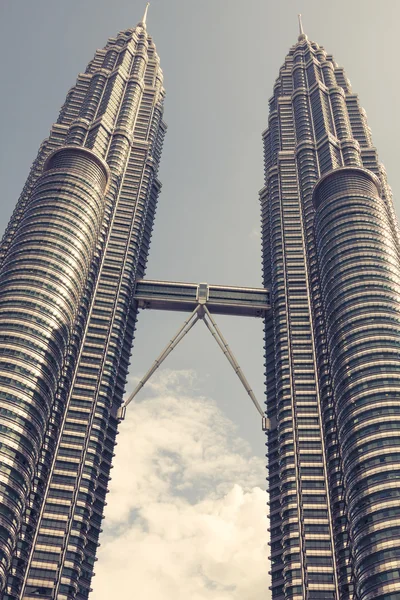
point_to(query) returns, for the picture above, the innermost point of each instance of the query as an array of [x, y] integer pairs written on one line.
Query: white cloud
[[255, 233], [186, 511]]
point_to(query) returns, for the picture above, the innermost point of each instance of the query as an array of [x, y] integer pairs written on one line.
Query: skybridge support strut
[[201, 312], [180, 334], [219, 338]]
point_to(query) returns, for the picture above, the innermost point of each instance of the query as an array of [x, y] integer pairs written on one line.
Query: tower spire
[[301, 30], [302, 35], [143, 21]]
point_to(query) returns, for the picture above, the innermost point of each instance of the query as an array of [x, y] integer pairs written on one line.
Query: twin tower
[[71, 257]]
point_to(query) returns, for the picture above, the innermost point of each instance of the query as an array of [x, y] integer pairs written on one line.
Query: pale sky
[[185, 515]]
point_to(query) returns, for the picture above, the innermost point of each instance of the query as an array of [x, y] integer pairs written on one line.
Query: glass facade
[[77, 241], [75, 246], [331, 258]]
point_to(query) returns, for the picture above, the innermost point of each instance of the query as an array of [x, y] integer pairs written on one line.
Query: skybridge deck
[[219, 299]]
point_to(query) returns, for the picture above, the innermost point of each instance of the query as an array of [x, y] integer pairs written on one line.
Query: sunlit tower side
[[76, 243]]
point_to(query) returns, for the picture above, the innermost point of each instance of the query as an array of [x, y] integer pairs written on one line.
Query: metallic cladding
[[332, 373], [77, 241], [360, 283]]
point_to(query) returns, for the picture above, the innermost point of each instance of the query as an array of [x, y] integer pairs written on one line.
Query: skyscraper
[[331, 257], [76, 242]]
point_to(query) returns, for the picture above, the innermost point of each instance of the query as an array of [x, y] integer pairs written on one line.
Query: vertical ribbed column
[[360, 282], [308, 168], [41, 283], [350, 148], [301, 533], [78, 129]]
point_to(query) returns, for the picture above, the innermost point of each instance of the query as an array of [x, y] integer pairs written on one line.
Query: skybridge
[[202, 301], [184, 297]]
